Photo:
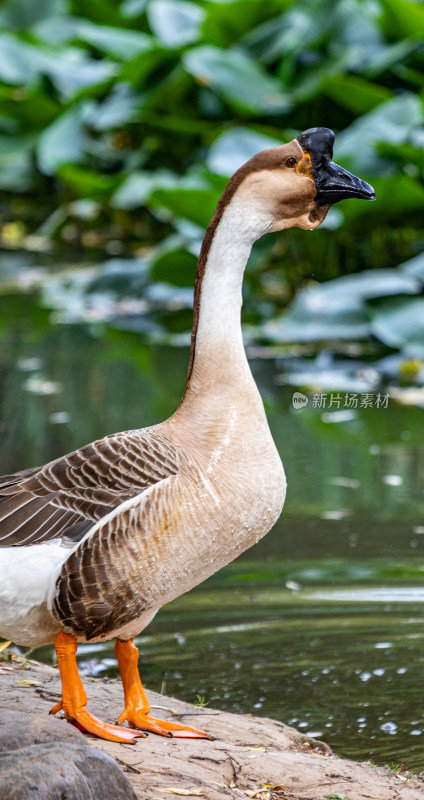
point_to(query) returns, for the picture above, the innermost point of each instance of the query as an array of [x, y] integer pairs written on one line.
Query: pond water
[[320, 624]]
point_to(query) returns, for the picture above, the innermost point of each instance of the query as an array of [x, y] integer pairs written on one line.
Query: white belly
[[26, 576]]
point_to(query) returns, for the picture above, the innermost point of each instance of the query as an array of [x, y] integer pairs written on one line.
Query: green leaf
[[393, 122], [71, 71], [238, 79], [404, 157], [355, 93], [175, 23], [119, 43], [196, 205], [133, 8], [33, 110], [176, 266], [118, 108], [234, 147], [19, 61], [227, 22], [11, 145], [137, 70], [357, 33], [137, 188], [56, 30], [22, 14], [16, 168], [388, 57], [405, 17], [16, 172], [63, 141], [288, 33], [397, 197], [86, 183], [335, 796]]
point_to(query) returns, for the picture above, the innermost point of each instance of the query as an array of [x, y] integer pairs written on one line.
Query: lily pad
[[329, 373], [399, 323], [403, 367], [122, 276], [368, 284], [336, 309], [415, 267], [316, 316]]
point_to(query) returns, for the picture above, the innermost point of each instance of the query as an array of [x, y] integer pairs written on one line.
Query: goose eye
[[291, 162]]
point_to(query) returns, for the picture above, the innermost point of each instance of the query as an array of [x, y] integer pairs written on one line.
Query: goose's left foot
[[74, 698], [137, 706]]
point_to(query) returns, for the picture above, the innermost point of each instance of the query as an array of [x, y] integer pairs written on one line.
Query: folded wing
[[67, 496]]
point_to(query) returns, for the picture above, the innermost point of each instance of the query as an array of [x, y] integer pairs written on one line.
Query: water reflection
[[321, 623]]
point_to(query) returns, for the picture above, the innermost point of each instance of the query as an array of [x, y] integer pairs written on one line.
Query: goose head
[[295, 184]]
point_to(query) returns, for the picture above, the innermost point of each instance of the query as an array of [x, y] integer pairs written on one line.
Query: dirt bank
[[251, 757]]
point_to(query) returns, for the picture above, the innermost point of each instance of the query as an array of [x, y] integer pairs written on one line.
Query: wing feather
[[67, 496]]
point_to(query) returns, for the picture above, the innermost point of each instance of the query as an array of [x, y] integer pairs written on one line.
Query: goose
[[95, 543]]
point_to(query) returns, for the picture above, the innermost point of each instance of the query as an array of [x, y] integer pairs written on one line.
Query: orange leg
[[74, 698], [137, 706]]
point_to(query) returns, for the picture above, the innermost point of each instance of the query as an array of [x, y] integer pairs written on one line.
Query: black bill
[[333, 183]]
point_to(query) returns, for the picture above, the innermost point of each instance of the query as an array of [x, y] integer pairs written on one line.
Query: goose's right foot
[[137, 707]]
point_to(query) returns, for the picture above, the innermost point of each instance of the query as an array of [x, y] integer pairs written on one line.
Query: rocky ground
[[251, 757]]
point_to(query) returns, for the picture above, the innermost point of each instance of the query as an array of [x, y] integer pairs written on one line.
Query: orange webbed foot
[[74, 698], [137, 706], [113, 733], [88, 723], [144, 722]]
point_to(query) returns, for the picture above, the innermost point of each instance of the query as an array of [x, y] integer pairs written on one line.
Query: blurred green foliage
[[120, 121]]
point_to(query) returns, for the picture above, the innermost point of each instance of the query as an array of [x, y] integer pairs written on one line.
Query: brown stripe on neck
[[200, 272], [267, 159]]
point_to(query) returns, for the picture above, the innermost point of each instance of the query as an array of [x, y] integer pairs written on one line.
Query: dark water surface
[[321, 623]]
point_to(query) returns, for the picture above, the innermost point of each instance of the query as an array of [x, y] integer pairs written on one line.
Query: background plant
[[120, 123]]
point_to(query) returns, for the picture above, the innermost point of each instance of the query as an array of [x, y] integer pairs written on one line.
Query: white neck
[[218, 337]]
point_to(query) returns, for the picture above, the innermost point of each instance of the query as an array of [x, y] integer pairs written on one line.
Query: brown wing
[[65, 497]]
